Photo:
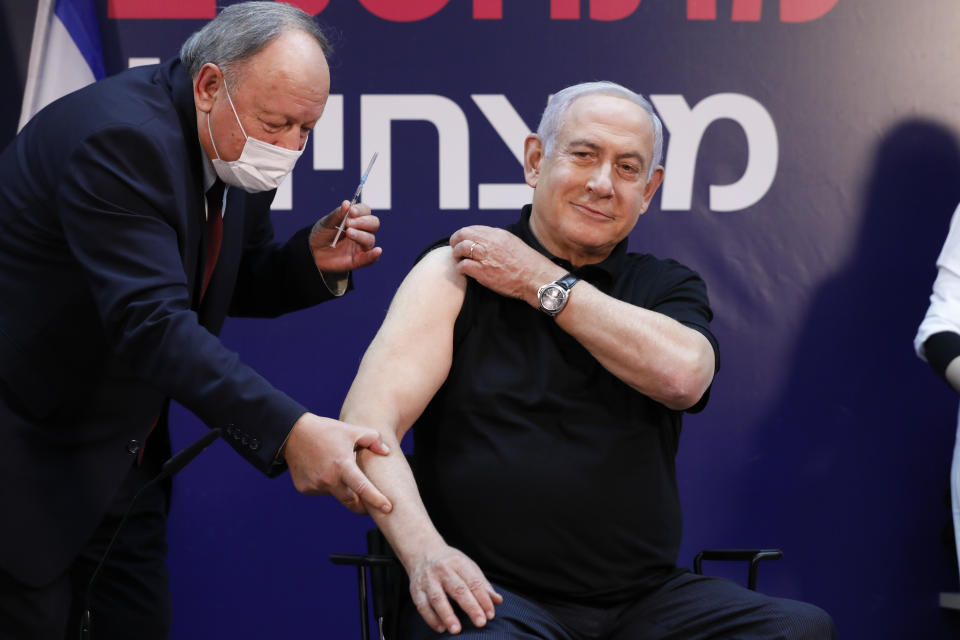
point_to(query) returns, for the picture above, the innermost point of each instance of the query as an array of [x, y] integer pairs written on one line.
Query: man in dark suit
[[134, 216]]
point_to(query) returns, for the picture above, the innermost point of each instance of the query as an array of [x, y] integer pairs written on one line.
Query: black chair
[[753, 556], [388, 584], [388, 581]]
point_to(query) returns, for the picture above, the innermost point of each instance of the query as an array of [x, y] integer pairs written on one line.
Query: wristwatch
[[554, 295]]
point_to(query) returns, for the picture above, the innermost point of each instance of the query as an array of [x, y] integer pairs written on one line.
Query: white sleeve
[[944, 311]]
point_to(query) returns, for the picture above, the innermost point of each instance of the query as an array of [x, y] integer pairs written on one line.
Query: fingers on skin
[[370, 439], [470, 269], [349, 499], [465, 250], [358, 482], [466, 232], [379, 446]]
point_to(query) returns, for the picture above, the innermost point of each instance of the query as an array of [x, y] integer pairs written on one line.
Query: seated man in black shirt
[[545, 371]]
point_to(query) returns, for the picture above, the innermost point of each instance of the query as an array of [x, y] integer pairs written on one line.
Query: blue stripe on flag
[[80, 19]]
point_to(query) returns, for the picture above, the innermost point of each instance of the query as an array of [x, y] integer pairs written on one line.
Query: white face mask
[[261, 166]]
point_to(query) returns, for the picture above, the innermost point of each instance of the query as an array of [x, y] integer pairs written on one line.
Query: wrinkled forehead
[[608, 116], [290, 76], [293, 59]]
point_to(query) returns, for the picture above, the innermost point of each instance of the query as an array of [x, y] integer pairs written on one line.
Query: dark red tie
[[214, 232]]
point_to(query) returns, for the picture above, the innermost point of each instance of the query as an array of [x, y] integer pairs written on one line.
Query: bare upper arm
[[409, 358]]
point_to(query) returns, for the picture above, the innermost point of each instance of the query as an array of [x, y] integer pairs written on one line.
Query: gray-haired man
[[136, 217], [545, 371]]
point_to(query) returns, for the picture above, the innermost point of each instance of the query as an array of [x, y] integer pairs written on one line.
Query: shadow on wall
[[857, 450]]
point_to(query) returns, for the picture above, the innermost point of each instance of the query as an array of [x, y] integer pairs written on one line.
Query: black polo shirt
[[557, 478]]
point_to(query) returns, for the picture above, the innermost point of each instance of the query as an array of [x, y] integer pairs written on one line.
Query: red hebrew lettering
[[742, 10], [612, 9], [701, 9], [749, 10], [746, 10], [804, 10], [564, 9], [408, 11], [488, 9], [151, 9], [313, 7]]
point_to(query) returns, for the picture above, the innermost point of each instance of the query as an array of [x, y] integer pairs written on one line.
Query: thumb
[[370, 439]]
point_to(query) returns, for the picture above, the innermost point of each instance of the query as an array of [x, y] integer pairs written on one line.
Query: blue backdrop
[[812, 166]]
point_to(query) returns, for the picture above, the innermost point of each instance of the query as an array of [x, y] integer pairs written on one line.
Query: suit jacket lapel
[[193, 249]]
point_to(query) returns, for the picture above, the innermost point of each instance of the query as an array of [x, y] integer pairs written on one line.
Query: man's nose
[[601, 180], [291, 139]]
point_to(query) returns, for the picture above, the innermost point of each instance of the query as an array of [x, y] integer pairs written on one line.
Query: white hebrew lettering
[[513, 131], [377, 112], [687, 126]]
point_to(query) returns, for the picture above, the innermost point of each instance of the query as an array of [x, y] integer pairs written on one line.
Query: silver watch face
[[552, 297]]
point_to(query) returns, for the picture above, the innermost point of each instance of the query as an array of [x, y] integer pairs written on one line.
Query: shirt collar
[[209, 174], [209, 178], [607, 269]]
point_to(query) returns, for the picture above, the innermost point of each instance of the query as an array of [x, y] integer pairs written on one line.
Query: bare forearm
[[401, 371], [651, 352], [407, 527], [390, 408]]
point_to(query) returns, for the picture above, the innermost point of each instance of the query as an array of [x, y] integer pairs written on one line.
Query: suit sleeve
[[114, 204], [276, 278]]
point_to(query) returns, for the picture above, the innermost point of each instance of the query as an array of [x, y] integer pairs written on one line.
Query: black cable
[[169, 468]]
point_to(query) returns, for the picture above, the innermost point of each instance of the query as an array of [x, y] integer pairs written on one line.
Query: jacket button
[[254, 444], [133, 446]]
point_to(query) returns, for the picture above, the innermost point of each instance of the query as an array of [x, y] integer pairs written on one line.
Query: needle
[[356, 198]]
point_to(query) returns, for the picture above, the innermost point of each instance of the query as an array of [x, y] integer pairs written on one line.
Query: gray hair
[[557, 106], [241, 31]]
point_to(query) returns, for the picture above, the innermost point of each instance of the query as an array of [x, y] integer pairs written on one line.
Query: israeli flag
[[65, 54]]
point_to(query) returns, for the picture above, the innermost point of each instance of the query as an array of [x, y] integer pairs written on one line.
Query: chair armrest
[[753, 556], [363, 559]]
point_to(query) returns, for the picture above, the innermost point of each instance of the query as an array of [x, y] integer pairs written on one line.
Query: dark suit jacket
[[101, 246]]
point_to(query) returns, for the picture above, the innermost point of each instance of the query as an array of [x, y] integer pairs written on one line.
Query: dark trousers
[[130, 598], [687, 607]]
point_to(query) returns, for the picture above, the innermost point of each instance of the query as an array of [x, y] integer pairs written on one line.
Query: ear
[[651, 188], [206, 85], [532, 157]]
